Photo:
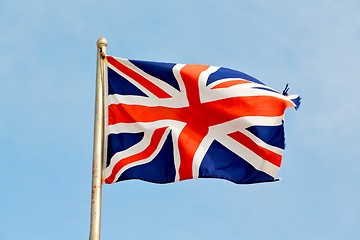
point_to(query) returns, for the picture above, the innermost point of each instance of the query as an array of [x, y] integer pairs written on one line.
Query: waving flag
[[170, 122]]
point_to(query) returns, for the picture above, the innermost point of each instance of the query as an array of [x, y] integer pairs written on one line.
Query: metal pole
[[98, 142]]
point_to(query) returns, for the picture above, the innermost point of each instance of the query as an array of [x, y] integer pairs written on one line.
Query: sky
[[47, 76]]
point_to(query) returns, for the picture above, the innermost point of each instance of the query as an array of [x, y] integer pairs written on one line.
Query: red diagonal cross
[[198, 116]]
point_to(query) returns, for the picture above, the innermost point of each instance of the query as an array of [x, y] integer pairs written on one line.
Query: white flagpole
[[98, 142]]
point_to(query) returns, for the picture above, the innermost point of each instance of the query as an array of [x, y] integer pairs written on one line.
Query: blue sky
[[47, 74]]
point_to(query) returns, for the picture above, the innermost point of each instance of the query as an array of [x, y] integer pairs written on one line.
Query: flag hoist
[[98, 141]]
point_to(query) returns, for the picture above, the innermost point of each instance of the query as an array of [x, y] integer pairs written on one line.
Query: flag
[[170, 122]]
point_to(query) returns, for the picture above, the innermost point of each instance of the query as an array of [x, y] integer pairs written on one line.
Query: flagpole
[[95, 218]]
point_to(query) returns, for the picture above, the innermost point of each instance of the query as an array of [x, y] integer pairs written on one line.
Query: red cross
[[197, 116]]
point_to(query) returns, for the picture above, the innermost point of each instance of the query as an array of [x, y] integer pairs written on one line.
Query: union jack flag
[[170, 122]]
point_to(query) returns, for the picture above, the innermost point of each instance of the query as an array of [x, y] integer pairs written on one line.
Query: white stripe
[[240, 124], [241, 90], [137, 148], [220, 132], [217, 82], [249, 156], [175, 138], [138, 85], [146, 160], [160, 83], [176, 70], [177, 101], [203, 80], [148, 129], [140, 127], [200, 154]]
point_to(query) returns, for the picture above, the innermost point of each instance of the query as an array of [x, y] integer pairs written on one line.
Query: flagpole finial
[[102, 44]]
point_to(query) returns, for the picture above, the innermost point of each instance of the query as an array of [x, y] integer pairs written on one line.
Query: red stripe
[[262, 152], [189, 142], [231, 108], [190, 75], [230, 83], [124, 113], [195, 129], [208, 114], [139, 78], [154, 142]]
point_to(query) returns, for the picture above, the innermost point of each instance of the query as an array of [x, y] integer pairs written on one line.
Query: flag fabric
[[170, 122]]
